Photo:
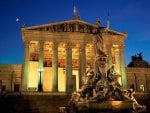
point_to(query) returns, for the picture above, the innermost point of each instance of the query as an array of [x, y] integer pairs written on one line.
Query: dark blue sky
[[132, 16]]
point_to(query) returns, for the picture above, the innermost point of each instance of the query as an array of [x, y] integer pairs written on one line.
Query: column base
[[70, 89], [40, 88]]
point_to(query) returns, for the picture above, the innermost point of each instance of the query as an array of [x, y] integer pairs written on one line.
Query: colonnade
[[68, 65], [118, 55]]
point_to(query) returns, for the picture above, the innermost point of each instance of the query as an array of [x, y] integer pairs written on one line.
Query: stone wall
[[10, 77], [138, 79]]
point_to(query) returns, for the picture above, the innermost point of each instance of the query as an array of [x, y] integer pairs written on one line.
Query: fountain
[[100, 90]]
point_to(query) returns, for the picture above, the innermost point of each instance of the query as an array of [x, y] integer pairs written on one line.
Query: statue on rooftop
[[98, 22], [138, 57]]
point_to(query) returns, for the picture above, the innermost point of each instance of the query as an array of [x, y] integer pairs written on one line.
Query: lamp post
[[40, 87]]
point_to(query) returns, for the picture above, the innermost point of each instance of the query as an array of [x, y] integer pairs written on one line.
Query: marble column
[[82, 60], [25, 66], [117, 60], [55, 66], [122, 67], [109, 52], [41, 53], [40, 68], [69, 77]]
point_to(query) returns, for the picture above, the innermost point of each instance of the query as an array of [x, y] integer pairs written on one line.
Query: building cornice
[[61, 22]]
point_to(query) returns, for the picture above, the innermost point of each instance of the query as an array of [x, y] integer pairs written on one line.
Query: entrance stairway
[[45, 102], [33, 102]]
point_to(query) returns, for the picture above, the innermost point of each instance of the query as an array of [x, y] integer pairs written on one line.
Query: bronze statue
[[101, 88]]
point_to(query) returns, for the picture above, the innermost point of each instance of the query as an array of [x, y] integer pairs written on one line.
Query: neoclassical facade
[[138, 78], [57, 55], [10, 77], [138, 74]]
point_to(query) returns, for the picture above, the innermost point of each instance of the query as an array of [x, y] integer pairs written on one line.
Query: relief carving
[[70, 27]]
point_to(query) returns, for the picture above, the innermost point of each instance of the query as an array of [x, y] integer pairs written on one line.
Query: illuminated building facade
[[10, 77], [56, 55], [138, 74]]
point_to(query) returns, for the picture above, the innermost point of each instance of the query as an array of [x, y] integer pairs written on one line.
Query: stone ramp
[[33, 102]]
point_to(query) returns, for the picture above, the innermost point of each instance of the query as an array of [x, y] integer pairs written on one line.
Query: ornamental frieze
[[69, 27]]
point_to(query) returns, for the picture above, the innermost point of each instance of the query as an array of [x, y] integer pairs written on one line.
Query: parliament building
[[57, 56]]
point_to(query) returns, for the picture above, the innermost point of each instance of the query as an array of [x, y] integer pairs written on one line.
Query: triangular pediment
[[73, 26], [113, 32], [66, 26]]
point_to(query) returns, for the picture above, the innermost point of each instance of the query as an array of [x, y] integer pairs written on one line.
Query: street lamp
[[40, 87]]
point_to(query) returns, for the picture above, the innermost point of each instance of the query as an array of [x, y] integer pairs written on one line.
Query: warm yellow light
[[33, 75], [47, 79], [119, 80], [116, 103], [75, 72], [61, 80]]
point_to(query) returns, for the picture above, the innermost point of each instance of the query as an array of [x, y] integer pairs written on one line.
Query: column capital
[[41, 42], [68, 45], [117, 51], [55, 44], [109, 46], [26, 43], [121, 47], [41, 46], [82, 47]]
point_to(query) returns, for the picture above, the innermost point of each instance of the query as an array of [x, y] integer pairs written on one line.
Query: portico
[[63, 50]]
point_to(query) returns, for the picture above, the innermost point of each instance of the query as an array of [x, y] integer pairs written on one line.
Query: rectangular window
[[16, 87], [3, 88], [142, 88], [47, 63], [148, 84]]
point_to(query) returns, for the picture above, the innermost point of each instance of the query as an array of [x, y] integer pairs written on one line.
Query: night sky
[[131, 16]]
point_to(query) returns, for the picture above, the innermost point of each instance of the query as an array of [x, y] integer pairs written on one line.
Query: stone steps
[[34, 103], [44, 103]]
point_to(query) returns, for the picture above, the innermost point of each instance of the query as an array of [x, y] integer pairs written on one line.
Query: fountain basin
[[105, 106]]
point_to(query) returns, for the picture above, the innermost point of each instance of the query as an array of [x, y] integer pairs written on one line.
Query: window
[[142, 88], [16, 88], [148, 84], [3, 88]]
